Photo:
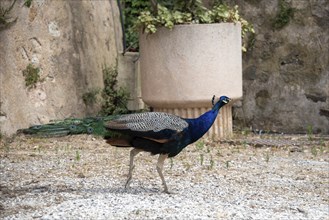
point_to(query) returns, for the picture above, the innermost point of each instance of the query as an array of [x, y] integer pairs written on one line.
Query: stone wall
[[69, 41], [286, 70]]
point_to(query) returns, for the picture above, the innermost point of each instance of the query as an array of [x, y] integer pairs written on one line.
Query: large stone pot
[[181, 69]]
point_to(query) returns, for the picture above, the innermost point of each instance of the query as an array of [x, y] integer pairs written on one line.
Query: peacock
[[155, 132]]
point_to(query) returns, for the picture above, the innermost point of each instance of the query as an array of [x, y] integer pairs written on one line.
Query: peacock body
[[154, 132]]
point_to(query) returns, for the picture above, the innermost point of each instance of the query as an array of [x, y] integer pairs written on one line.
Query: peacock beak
[[227, 100]]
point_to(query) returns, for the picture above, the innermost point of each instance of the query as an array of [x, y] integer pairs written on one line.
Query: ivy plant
[[170, 13], [131, 10]]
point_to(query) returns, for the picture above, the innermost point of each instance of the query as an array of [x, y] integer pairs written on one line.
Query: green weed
[[199, 145], [284, 15], [171, 163], [212, 163], [31, 75], [77, 155], [314, 151], [310, 132], [227, 164], [201, 159], [28, 3]]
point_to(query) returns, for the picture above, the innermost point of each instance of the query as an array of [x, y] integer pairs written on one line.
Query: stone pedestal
[[129, 78]]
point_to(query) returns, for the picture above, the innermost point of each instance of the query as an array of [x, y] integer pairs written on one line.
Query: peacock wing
[[157, 126]]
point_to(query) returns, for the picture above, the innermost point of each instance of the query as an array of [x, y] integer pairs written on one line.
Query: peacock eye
[[90, 130], [73, 127]]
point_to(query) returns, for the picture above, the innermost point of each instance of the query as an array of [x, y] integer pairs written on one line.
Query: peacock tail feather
[[71, 126]]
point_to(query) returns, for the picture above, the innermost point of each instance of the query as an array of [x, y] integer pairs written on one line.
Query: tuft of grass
[[201, 159], [212, 163], [244, 144], [322, 145], [245, 131], [171, 163], [77, 155], [310, 132], [199, 145], [67, 147], [284, 15], [227, 164], [28, 3], [314, 151], [31, 75]]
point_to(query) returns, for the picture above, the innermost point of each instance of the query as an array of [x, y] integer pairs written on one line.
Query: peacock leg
[[133, 153], [161, 160]]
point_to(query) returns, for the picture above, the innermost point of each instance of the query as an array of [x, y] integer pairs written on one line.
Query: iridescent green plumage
[[70, 126]]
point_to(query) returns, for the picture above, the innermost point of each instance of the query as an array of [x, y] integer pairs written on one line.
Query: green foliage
[[90, 97], [28, 3], [310, 132], [200, 144], [171, 163], [212, 163], [31, 75], [227, 164], [5, 19], [77, 155], [285, 13], [190, 12], [115, 98], [201, 159], [131, 10], [314, 151]]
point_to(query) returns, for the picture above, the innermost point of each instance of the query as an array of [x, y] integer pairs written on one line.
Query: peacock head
[[222, 100]]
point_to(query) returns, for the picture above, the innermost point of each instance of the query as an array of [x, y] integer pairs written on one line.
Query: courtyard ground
[[243, 177]]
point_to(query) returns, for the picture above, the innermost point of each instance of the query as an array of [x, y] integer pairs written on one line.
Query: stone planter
[[183, 68]]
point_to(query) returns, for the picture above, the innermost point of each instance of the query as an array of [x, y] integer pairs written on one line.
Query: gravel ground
[[248, 177]]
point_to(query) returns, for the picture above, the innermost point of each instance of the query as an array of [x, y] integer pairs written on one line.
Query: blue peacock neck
[[199, 126]]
